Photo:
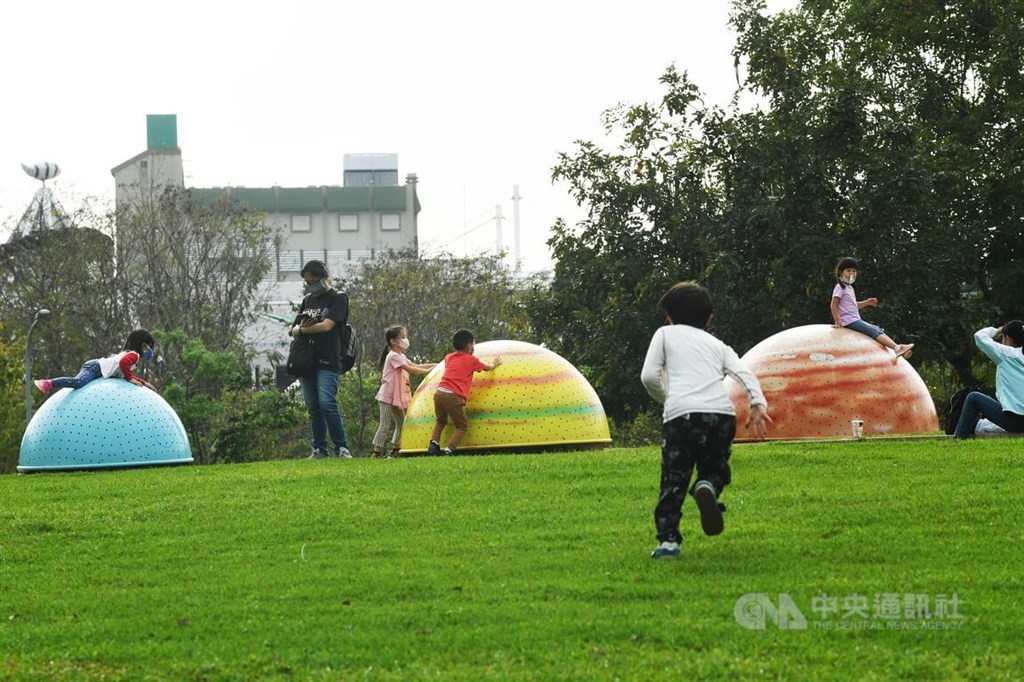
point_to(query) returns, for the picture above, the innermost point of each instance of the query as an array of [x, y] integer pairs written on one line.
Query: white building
[[340, 225]]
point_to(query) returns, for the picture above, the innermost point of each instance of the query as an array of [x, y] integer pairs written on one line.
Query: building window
[[301, 223], [348, 222], [390, 222]]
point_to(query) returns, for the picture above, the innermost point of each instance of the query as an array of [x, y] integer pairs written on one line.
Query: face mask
[[148, 353], [850, 280], [403, 343], [315, 289]]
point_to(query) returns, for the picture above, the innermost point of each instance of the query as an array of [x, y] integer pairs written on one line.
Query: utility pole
[[497, 221], [515, 224]]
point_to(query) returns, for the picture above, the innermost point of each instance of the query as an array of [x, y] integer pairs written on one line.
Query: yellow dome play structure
[[818, 379], [535, 398]]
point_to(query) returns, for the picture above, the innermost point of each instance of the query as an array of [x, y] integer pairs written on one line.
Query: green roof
[[301, 200], [308, 199]]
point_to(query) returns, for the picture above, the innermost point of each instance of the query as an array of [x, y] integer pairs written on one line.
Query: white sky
[[473, 96]]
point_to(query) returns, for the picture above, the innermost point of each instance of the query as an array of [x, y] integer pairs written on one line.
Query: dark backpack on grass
[[956, 406]]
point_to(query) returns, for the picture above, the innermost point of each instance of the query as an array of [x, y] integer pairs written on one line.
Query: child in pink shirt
[[394, 394]]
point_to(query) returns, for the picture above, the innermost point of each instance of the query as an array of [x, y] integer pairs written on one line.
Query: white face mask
[[850, 280], [403, 343]]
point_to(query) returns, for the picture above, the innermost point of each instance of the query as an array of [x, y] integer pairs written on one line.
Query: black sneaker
[[710, 513], [434, 449], [448, 452], [318, 454]]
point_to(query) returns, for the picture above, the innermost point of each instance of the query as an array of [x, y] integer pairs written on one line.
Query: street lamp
[[40, 314]]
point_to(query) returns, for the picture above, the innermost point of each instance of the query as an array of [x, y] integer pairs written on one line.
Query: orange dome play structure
[[534, 398], [818, 379]]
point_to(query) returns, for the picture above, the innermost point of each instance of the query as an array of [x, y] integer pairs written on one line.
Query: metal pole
[[40, 314], [497, 220], [515, 224]]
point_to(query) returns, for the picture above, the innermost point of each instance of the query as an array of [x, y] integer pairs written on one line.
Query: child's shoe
[[434, 449], [44, 385], [902, 350], [448, 452], [666, 550], [710, 513]]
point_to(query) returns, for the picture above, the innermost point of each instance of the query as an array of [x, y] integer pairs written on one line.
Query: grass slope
[[511, 567]]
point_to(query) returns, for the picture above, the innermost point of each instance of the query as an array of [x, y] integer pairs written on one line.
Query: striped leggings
[[388, 413]]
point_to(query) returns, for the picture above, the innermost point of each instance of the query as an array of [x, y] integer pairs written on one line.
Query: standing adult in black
[[324, 312]]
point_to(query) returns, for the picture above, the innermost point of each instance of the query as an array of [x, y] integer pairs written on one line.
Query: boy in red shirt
[[453, 391]]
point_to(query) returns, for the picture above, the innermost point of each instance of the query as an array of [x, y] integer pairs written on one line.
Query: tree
[[194, 267], [433, 298], [71, 272], [225, 418], [889, 131], [900, 123], [12, 403]]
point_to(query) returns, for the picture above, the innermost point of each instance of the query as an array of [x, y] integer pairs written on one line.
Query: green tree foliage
[[433, 298], [889, 131], [12, 402], [71, 272], [225, 418], [896, 126]]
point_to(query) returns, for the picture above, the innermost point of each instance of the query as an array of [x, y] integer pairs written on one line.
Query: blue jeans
[[320, 391], [980, 405], [874, 331], [90, 371]]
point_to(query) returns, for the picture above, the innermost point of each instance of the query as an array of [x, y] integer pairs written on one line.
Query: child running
[[394, 394], [846, 309], [453, 392], [139, 344], [683, 370]]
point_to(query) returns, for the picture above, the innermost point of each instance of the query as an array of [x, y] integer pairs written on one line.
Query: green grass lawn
[[532, 567]]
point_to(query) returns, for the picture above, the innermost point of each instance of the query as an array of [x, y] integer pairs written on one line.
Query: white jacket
[[685, 369]]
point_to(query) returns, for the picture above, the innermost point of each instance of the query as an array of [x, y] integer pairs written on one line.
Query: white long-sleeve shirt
[[685, 368]]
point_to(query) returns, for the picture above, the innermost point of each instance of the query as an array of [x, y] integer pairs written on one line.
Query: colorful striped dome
[[536, 398]]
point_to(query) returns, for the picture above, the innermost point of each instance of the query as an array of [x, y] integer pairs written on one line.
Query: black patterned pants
[[699, 439]]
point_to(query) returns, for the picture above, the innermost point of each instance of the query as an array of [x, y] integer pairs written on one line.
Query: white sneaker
[[666, 550], [344, 453]]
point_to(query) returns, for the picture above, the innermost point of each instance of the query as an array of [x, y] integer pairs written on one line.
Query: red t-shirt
[[458, 372]]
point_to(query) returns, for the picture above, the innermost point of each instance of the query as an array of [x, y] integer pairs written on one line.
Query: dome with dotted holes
[[817, 379], [106, 423], [535, 398]]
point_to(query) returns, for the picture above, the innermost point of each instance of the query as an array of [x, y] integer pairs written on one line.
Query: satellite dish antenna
[[42, 171]]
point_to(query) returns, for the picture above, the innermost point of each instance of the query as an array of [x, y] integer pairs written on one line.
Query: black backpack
[[956, 406], [349, 348]]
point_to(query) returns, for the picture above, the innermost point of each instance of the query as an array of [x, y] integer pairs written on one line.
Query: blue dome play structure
[[106, 423]]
